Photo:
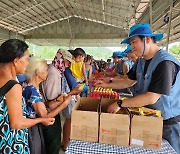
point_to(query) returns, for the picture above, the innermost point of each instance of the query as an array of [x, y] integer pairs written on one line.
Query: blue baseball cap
[[128, 49], [117, 54], [142, 30]]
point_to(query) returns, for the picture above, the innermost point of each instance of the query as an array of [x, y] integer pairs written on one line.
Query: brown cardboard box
[[146, 131], [84, 122], [114, 128], [91, 122]]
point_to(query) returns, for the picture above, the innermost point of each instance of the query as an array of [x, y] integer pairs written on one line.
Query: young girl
[[77, 66]]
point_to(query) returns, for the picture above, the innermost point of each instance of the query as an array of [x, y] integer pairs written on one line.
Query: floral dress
[[36, 139], [12, 141]]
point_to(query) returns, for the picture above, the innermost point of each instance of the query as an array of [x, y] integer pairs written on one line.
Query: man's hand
[[101, 83], [107, 79], [113, 108]]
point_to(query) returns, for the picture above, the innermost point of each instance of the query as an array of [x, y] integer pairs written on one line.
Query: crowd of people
[[29, 89]]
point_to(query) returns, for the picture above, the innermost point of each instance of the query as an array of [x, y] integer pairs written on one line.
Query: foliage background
[[48, 52]]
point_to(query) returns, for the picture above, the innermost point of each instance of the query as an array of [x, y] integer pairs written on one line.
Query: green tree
[[175, 49], [48, 52]]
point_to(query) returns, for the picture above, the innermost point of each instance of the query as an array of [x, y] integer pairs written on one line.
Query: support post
[[169, 24]]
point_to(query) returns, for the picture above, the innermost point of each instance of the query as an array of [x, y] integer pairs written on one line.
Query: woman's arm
[[84, 73], [52, 104], [15, 113], [90, 73], [42, 112], [54, 112], [40, 109]]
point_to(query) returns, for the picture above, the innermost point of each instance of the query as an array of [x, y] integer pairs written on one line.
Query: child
[[77, 66]]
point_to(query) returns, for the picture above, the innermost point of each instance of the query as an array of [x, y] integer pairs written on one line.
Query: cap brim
[[66, 55], [68, 58], [158, 37], [127, 51]]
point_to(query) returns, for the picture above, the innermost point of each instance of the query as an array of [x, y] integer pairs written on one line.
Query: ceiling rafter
[[43, 23], [83, 9], [90, 12], [114, 5], [10, 8], [74, 12], [164, 24], [100, 11], [24, 10], [28, 16]]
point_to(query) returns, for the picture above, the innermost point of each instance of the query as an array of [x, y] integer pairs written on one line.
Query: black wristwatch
[[110, 80], [119, 102]]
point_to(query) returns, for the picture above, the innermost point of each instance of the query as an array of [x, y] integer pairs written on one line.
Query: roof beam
[[103, 9], [7, 34], [23, 20], [34, 27], [77, 36], [24, 10], [169, 25], [98, 11]]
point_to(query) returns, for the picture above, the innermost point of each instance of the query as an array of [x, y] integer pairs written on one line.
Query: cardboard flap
[[105, 102], [84, 120], [145, 122], [117, 120], [87, 104]]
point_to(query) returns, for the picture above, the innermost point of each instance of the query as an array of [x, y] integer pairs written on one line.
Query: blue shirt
[[31, 96]]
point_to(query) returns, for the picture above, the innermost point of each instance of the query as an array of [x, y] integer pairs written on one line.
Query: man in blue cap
[[133, 61], [130, 54], [157, 78], [121, 67]]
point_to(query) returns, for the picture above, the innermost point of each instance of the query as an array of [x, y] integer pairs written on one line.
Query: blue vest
[[136, 88], [119, 67], [168, 105]]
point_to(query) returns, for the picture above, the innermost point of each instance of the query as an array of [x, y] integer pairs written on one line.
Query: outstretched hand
[[75, 91], [100, 83], [113, 108]]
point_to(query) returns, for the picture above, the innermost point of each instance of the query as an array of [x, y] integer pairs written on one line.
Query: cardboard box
[[146, 131], [114, 128], [91, 122], [84, 121]]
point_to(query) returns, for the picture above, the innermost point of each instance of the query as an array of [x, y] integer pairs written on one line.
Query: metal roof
[[84, 22]]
